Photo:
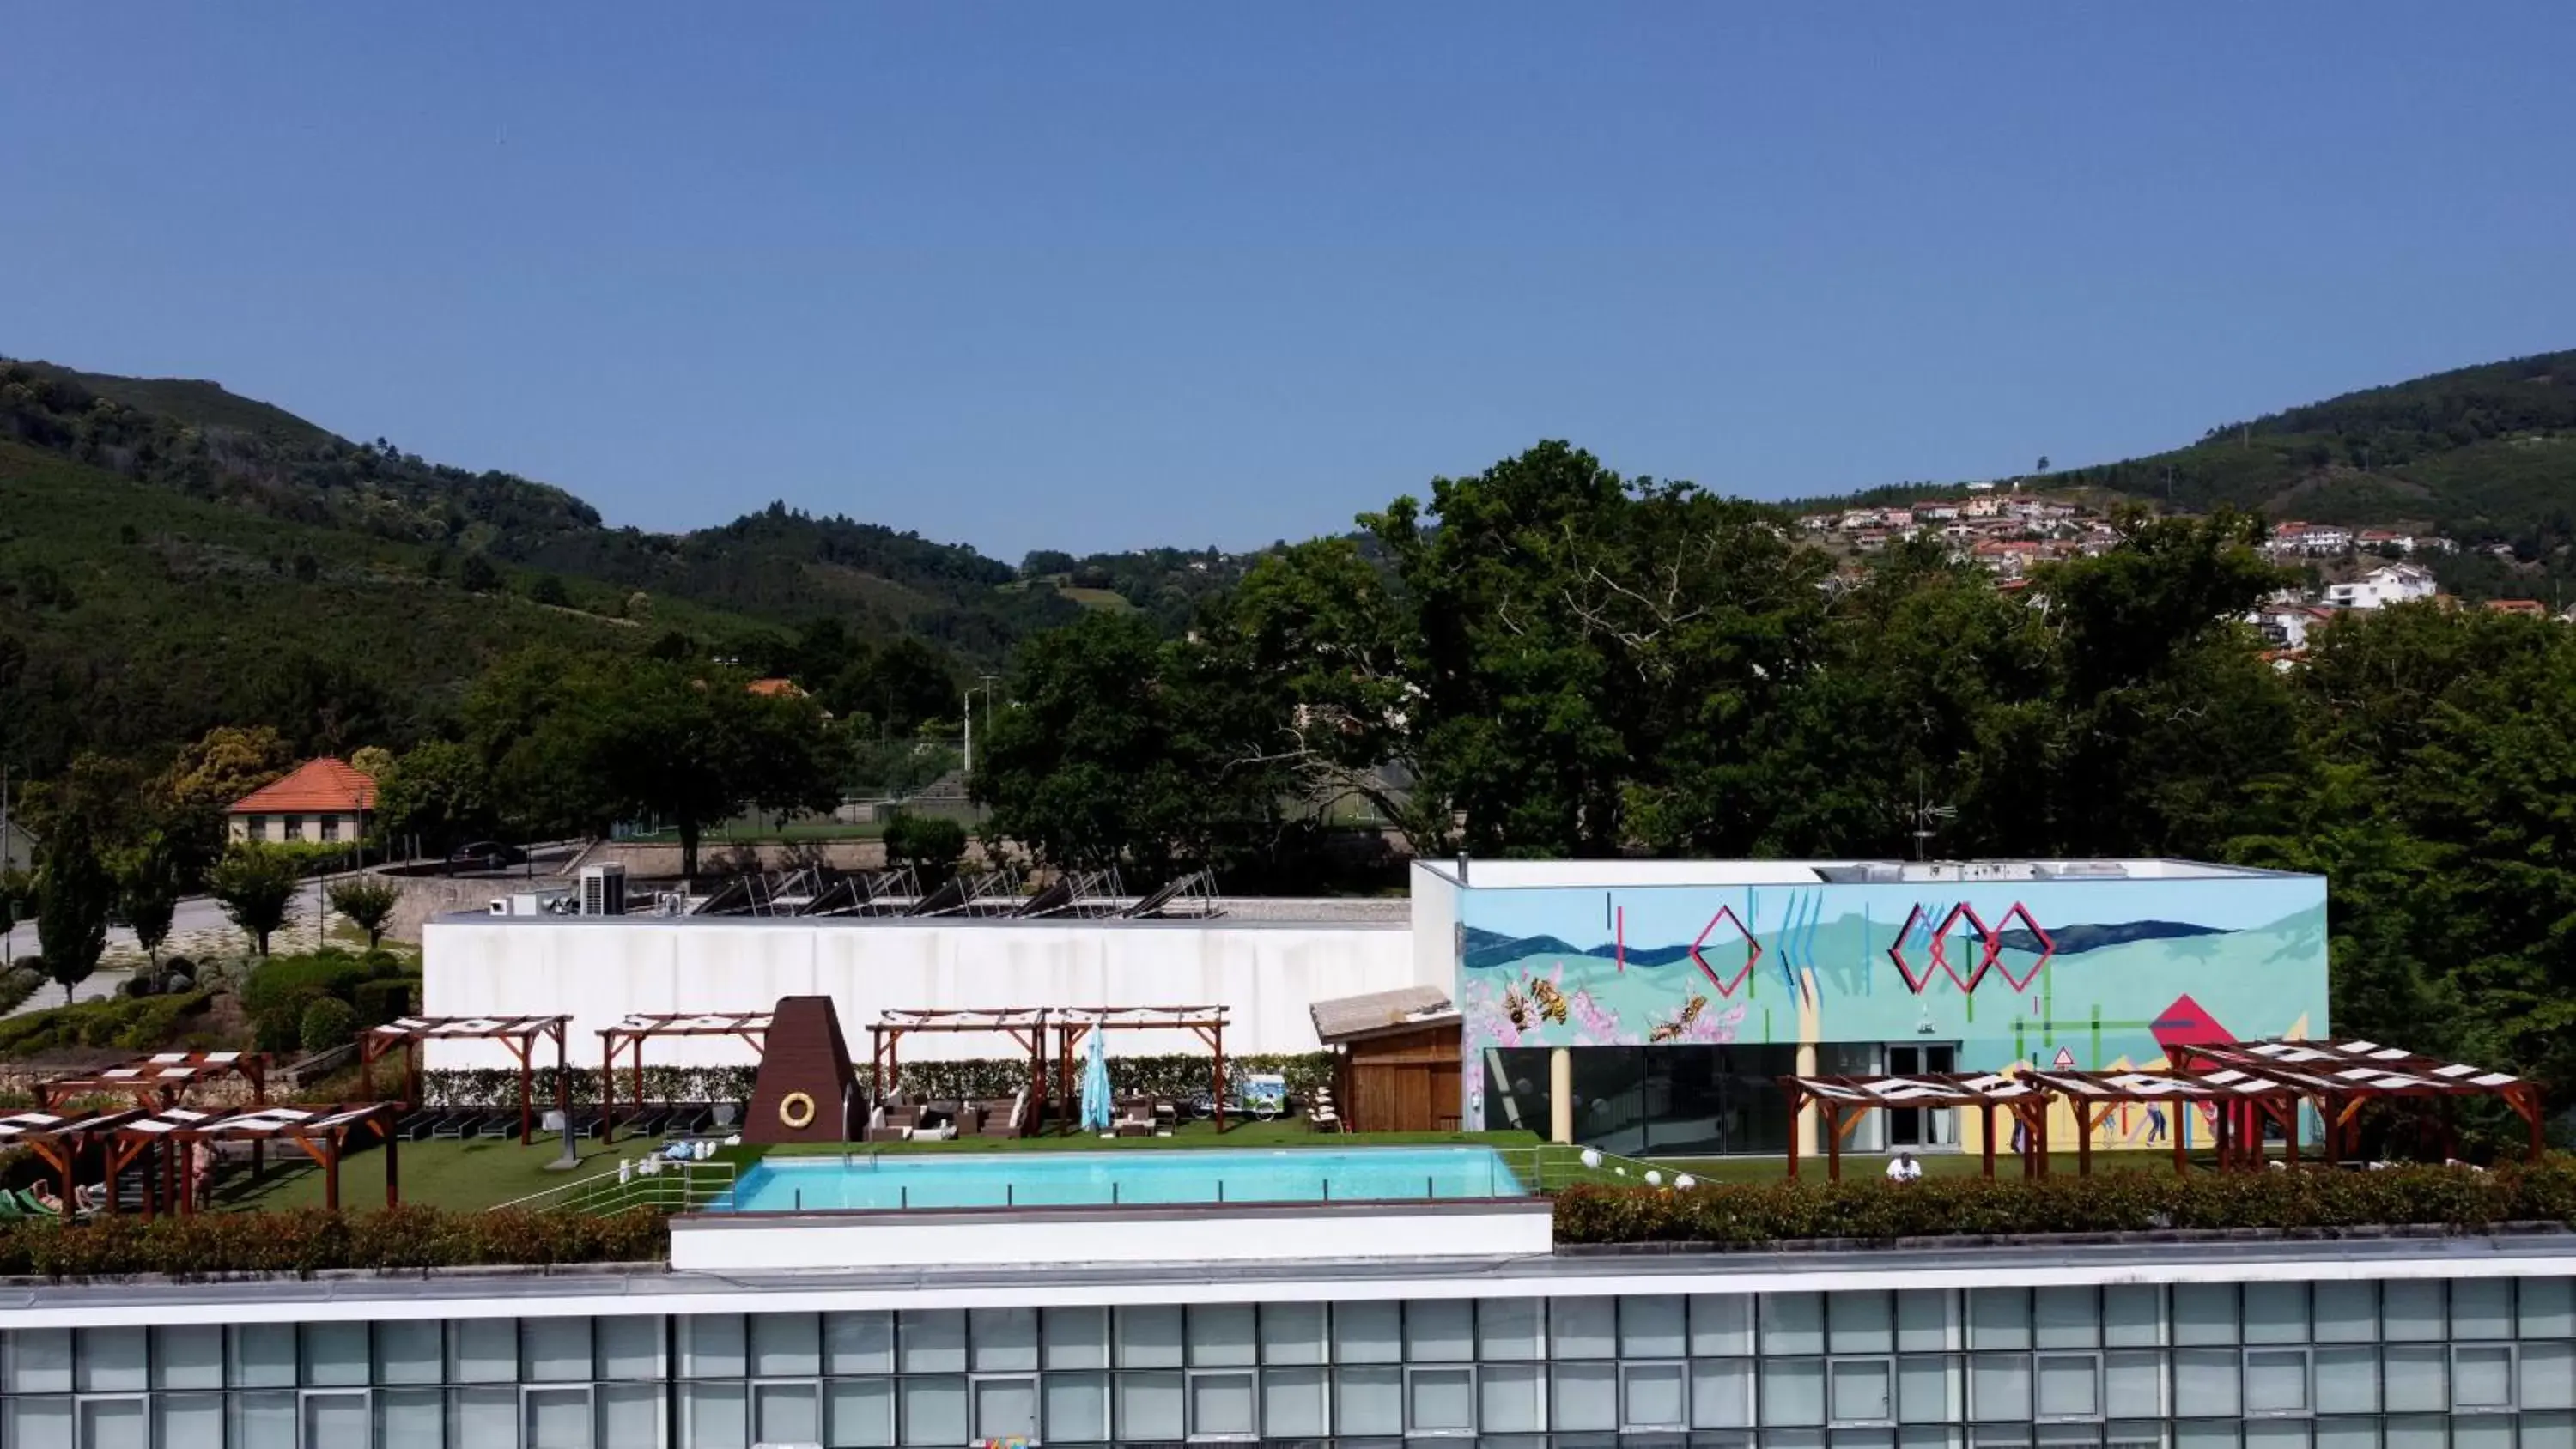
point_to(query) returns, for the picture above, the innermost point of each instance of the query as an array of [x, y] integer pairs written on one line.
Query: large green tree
[[257, 885], [75, 895]]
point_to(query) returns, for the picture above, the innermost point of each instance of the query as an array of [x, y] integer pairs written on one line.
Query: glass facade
[[2474, 1363]]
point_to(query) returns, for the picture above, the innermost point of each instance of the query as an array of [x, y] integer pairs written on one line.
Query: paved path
[[197, 928]]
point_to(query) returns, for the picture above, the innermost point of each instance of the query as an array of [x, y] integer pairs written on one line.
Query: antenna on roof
[[1927, 816]]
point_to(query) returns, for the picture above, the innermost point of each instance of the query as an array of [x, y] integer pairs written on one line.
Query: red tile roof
[[2516, 606], [317, 787], [772, 688]]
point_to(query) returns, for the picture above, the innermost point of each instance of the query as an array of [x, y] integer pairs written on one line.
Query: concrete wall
[[602, 970]]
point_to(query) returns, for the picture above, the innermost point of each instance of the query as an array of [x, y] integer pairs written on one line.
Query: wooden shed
[[1395, 1059]]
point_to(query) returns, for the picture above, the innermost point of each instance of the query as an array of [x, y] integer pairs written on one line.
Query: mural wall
[[2084, 974]]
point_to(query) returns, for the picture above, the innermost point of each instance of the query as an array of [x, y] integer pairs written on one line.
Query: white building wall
[[602, 970]]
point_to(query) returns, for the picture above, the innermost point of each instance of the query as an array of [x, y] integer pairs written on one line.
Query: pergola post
[[393, 1163], [563, 1081], [331, 1172], [1833, 1140], [1796, 1097], [1986, 1119], [2084, 1124], [607, 1088], [2182, 1114]]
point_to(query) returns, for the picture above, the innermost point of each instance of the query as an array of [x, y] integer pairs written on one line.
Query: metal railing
[[676, 1187]]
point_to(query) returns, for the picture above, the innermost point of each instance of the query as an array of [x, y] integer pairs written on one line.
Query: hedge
[[312, 1240], [1753, 1214], [1181, 1076]]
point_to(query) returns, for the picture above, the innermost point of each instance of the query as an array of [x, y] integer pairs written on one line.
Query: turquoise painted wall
[[2096, 974]]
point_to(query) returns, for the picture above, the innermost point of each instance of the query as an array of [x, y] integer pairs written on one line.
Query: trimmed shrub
[[278, 1029], [1181, 1076], [294, 980], [1743, 1215], [311, 1240], [327, 1023], [380, 1001], [124, 1022], [137, 985], [20, 983]]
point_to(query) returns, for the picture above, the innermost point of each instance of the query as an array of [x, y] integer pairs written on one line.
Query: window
[[1222, 1406], [2066, 1318], [1793, 1391], [1860, 1322], [2069, 1386], [1371, 1400], [934, 1342], [408, 1352], [1998, 1318], [1512, 1329], [1150, 1406], [1999, 1387], [1721, 1393], [292, 828], [1003, 1339], [330, 828], [2414, 1377], [1655, 1327], [863, 1343], [859, 1413], [1863, 1390], [793, 1414], [1078, 1338], [1443, 1401], [2347, 1379], [2276, 1313], [1075, 1407], [1224, 1334], [2481, 1376], [1293, 1404], [555, 1350], [1654, 1396], [2205, 1382], [1584, 1396], [2204, 1313], [112, 1360], [255, 827], [1583, 1327], [1511, 1399], [2276, 1381], [1369, 1332]]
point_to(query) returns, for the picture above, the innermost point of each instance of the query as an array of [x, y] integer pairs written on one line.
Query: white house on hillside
[[2388, 584]]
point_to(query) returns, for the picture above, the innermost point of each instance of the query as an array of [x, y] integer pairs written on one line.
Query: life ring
[[796, 1111]]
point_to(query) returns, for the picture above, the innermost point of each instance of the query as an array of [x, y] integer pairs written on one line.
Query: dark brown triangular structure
[[806, 1086]]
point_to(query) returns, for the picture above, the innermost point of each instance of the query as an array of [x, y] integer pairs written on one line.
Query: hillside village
[[2008, 532]]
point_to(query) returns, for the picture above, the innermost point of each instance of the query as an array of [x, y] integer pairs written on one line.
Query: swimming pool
[[1104, 1178]]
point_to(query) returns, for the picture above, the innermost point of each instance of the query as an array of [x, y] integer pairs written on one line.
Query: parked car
[[486, 855]]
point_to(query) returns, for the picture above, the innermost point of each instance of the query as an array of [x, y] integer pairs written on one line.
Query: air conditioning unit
[[532, 903], [603, 890]]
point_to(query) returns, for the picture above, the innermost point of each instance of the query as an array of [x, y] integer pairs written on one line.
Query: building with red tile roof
[[322, 800]]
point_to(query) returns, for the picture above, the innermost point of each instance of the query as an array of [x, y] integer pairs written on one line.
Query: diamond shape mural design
[[1752, 951]]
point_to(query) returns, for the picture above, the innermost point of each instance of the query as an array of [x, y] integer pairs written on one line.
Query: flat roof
[[1233, 913], [1498, 874]]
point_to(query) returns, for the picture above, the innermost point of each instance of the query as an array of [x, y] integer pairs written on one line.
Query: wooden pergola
[[520, 1034], [2230, 1096], [1842, 1101], [60, 1141], [1073, 1023], [2341, 1078], [159, 1080], [323, 1133], [630, 1035], [1025, 1025]]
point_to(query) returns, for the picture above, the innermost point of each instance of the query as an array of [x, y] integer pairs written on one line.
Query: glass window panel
[[933, 1341], [1654, 1326], [2548, 1308], [2276, 1313], [1005, 1339], [2346, 1310], [1510, 1399], [2145, 1435], [1442, 1400], [859, 1413], [1583, 1327], [1293, 1333], [934, 1409], [1150, 1406], [2133, 1384], [1793, 1391], [2066, 1436], [2276, 1434], [793, 1414], [1294, 1404], [1927, 1320], [2133, 1315], [1221, 1405], [410, 1351], [1368, 1333], [786, 1345], [2205, 1383], [2066, 1317], [629, 1346], [335, 1355], [47, 1423], [1999, 1436], [2410, 1309], [2345, 1433], [191, 1356], [1584, 1396], [863, 1343], [2069, 1386], [713, 1346], [557, 1419], [2484, 1431], [629, 1415], [2204, 1433], [1368, 1400], [2276, 1381], [1076, 1406], [119, 1424], [2204, 1313], [476, 1418], [181, 1421], [2549, 1375], [2482, 1308], [2415, 1431], [1998, 1318], [2347, 1379], [112, 1360], [1005, 1408], [1078, 1338], [1864, 1439], [1222, 1334], [718, 1416], [1721, 1394], [2414, 1377], [2541, 1431], [1999, 1386], [1721, 1324], [1863, 1390], [1927, 1389], [1860, 1322], [263, 1355], [1793, 1323], [2481, 1375], [554, 1350]]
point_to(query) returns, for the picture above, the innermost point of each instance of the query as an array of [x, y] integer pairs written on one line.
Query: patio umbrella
[[1095, 1083]]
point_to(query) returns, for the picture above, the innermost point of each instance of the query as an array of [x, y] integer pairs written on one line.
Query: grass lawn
[[443, 1173]]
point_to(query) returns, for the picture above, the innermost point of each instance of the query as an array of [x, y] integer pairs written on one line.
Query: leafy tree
[[371, 761], [1039, 563], [257, 885], [74, 896], [477, 574], [899, 686], [549, 589], [438, 793], [368, 903], [147, 881], [931, 844]]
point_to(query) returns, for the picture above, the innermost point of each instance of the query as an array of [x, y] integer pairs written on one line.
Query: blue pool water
[[1087, 1179]]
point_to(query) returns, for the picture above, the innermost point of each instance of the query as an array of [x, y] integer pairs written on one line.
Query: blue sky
[[1104, 277]]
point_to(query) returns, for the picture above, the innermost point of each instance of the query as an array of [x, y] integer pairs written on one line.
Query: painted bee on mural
[[1672, 1030], [1551, 1002]]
